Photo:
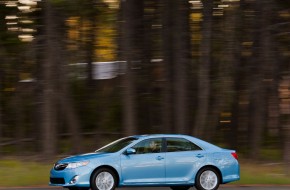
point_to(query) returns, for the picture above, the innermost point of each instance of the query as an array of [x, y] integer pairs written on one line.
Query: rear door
[[183, 158]]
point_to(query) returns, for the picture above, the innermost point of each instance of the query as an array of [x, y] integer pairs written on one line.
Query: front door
[[146, 166]]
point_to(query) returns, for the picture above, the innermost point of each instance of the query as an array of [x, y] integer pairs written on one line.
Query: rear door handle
[[159, 158], [199, 156]]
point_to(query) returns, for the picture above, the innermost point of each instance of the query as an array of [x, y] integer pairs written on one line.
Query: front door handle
[[199, 156], [159, 158]]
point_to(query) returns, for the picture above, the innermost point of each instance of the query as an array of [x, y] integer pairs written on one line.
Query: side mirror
[[130, 151]]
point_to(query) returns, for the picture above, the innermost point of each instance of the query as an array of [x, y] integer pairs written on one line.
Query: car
[[170, 160]]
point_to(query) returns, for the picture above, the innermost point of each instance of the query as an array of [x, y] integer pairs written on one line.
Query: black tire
[[180, 187], [103, 179], [207, 179]]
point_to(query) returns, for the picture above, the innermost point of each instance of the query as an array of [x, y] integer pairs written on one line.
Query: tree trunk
[[68, 109], [49, 78], [167, 48], [204, 71], [257, 115], [271, 69], [90, 46], [2, 77], [1, 127], [131, 19], [1, 122], [181, 64], [176, 50], [286, 149], [72, 121], [257, 111], [261, 62], [19, 117], [232, 58], [284, 89]]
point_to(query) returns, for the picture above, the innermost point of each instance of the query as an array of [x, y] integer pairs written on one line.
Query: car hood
[[82, 157]]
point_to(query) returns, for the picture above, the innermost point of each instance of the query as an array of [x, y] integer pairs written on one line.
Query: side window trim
[[162, 141], [164, 146], [180, 138]]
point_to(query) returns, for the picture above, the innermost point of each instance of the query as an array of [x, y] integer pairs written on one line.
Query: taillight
[[235, 155]]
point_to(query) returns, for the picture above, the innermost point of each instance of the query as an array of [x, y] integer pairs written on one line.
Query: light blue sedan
[[176, 161]]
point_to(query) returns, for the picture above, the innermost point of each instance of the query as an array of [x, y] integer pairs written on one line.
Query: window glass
[[117, 145], [148, 146], [180, 144]]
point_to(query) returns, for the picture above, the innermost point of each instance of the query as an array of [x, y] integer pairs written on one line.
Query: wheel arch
[[107, 167], [212, 167]]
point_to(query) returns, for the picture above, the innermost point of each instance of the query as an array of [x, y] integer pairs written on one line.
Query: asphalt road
[[223, 187]]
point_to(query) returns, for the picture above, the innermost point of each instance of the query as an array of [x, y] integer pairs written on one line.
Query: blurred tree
[[1, 90], [232, 56], [262, 62], [240, 69], [281, 33], [271, 73], [147, 74], [284, 89], [90, 16], [1, 72], [69, 111], [200, 125], [181, 62], [167, 49], [176, 51], [131, 28], [56, 90], [1, 127], [51, 49]]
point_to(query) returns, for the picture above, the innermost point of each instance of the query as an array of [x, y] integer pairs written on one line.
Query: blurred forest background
[[76, 74]]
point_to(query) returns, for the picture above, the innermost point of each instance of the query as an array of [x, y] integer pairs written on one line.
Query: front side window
[[148, 146], [180, 144]]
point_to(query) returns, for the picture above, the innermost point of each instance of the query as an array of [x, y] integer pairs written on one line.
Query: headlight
[[77, 164]]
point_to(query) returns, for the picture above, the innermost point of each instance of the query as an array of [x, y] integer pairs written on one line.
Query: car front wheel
[[207, 179], [103, 179]]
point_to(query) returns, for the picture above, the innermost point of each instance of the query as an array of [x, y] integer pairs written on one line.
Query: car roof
[[160, 135]]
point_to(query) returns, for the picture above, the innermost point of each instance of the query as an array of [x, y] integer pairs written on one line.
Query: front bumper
[[79, 177]]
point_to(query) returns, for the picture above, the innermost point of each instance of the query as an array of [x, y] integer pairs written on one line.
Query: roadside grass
[[262, 173], [16, 172]]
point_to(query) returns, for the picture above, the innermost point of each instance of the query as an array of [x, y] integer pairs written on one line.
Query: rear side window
[[180, 144]]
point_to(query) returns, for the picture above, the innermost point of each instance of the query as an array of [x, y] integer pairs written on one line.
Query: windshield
[[117, 145]]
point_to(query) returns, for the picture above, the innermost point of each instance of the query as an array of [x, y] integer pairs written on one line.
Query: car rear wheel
[[180, 187], [103, 179], [207, 179]]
